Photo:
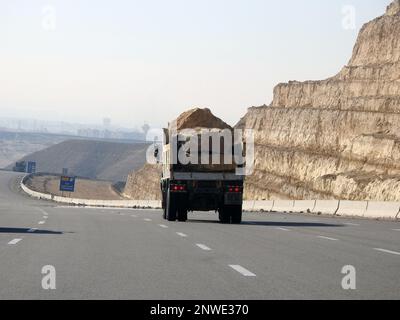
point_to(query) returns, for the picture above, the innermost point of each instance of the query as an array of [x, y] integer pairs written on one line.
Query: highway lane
[[135, 254]]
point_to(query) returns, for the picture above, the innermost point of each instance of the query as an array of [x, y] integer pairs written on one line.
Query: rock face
[[337, 138], [144, 184]]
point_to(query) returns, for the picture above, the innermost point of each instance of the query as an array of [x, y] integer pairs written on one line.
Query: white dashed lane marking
[[387, 251], [32, 230], [147, 219], [282, 229], [203, 247], [41, 222], [14, 241], [328, 238], [181, 234], [163, 226], [242, 270]]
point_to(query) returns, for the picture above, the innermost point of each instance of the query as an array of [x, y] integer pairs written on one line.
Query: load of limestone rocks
[[336, 138]]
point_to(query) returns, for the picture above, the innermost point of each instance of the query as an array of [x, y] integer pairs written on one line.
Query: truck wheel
[[170, 208], [164, 207], [236, 214], [224, 216], [182, 214], [164, 215]]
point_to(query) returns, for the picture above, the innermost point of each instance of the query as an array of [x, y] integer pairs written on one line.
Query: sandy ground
[[84, 189]]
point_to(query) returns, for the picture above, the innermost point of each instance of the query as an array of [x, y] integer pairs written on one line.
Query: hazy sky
[[136, 61]]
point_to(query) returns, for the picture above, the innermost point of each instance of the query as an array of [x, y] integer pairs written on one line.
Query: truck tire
[[164, 207], [223, 214], [236, 214], [170, 207], [182, 214]]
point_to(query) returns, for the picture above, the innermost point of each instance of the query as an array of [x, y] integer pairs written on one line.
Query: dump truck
[[189, 187]]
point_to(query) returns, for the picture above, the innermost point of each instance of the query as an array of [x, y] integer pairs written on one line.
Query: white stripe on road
[[41, 222], [44, 212], [328, 238], [387, 251], [203, 247], [351, 224], [283, 229], [163, 226], [147, 219], [15, 241], [242, 270], [181, 234], [32, 230]]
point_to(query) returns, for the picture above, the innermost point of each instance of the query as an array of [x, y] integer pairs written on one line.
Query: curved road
[[135, 254]]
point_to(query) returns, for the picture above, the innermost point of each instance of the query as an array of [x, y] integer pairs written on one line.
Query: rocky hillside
[[336, 138], [144, 184], [91, 159]]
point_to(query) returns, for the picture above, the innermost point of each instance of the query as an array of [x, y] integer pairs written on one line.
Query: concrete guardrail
[[368, 209], [380, 209], [326, 206], [283, 206], [89, 202], [352, 208], [304, 206]]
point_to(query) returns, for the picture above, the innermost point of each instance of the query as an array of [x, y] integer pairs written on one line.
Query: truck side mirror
[[156, 152]]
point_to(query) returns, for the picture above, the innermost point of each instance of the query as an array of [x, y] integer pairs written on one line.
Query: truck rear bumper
[[206, 176]]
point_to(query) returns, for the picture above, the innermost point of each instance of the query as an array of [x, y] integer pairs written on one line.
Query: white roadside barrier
[[248, 205], [263, 205], [304, 206], [352, 208], [89, 202], [367, 209], [283, 206], [380, 209], [326, 206]]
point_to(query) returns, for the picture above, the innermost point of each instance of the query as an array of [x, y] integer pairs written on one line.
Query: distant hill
[[92, 159]]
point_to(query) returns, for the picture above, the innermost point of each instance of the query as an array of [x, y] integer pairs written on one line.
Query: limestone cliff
[[336, 138], [144, 184]]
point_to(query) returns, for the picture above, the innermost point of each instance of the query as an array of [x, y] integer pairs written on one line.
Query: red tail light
[[178, 187], [234, 189]]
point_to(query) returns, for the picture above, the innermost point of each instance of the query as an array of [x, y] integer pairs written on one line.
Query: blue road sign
[[67, 183], [31, 168]]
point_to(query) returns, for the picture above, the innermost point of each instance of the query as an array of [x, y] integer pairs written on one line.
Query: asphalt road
[[135, 254]]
